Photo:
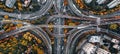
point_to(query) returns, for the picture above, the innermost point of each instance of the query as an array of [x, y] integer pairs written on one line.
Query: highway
[[18, 30], [73, 34], [102, 21], [34, 15]]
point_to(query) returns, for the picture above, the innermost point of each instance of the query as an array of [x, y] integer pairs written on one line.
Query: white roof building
[[102, 51], [10, 3], [88, 1], [113, 3], [89, 48], [94, 39], [100, 1], [116, 46], [27, 2], [115, 41]]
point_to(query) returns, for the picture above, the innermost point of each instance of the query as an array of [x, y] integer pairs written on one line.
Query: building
[[10, 3], [115, 41], [102, 51], [88, 1], [100, 1], [89, 48], [94, 39], [27, 3], [113, 3], [116, 46]]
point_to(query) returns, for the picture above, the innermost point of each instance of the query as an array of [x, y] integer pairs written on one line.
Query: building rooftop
[[102, 51], [100, 1], [94, 39], [88, 1], [10, 3], [115, 41], [89, 48], [113, 3]]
